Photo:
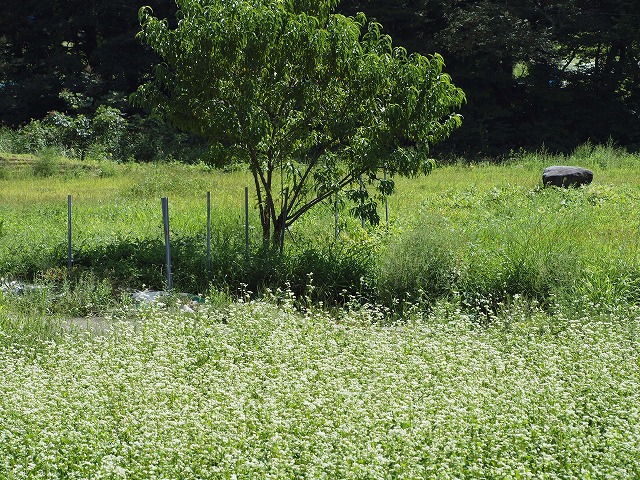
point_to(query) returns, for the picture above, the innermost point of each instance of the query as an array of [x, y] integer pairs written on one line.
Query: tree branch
[[347, 179]]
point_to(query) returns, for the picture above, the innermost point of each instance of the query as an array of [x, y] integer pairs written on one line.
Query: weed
[[84, 296], [420, 264], [5, 172], [46, 164]]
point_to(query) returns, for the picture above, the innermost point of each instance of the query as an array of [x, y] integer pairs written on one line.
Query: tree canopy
[[311, 100], [536, 73], [556, 73], [70, 55]]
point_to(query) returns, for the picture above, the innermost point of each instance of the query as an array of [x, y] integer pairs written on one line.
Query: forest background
[[536, 74]]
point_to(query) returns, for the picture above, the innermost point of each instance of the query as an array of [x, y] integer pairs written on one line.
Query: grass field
[[491, 331], [485, 232]]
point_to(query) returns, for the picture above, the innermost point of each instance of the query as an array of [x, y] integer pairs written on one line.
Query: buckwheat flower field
[[254, 390]]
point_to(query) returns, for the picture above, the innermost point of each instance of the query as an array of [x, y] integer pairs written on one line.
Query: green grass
[[483, 232]]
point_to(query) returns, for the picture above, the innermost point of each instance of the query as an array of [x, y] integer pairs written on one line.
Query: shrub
[[108, 129], [84, 296], [333, 273], [46, 163], [9, 140], [420, 264], [34, 137], [537, 256]]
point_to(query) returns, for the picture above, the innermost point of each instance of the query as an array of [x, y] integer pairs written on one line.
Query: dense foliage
[[109, 134], [69, 55], [556, 73], [311, 102]]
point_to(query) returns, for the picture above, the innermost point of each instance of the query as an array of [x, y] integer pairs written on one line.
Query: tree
[[555, 73], [312, 100]]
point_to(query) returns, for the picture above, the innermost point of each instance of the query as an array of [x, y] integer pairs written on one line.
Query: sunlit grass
[[496, 221]]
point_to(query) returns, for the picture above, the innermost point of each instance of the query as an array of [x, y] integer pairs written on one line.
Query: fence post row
[[165, 220]]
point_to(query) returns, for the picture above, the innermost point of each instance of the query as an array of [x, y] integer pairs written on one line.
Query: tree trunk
[[281, 224], [276, 239], [265, 220]]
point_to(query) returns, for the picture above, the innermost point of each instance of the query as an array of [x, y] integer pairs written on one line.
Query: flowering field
[[254, 390], [505, 344]]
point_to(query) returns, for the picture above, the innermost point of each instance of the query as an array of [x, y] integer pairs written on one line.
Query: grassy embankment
[[483, 233]]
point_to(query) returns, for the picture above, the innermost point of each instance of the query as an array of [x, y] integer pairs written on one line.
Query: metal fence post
[[246, 222], [336, 216], [69, 237], [386, 202], [165, 221], [209, 235], [362, 190]]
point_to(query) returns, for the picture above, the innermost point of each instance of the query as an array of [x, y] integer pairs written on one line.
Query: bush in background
[[110, 135]]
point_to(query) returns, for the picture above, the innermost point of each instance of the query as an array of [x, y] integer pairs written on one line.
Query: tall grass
[[510, 236], [481, 233]]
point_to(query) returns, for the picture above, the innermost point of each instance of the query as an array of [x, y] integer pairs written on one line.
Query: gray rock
[[565, 176]]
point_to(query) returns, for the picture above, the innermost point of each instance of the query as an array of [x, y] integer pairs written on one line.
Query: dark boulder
[[563, 176]]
